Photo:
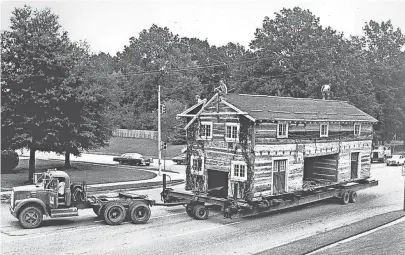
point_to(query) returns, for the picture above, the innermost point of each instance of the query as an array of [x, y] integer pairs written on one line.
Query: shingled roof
[[262, 107]]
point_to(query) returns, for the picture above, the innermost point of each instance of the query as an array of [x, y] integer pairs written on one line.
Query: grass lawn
[[91, 174], [146, 147]]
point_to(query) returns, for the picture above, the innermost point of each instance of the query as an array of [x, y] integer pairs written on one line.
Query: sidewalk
[[175, 173], [316, 242]]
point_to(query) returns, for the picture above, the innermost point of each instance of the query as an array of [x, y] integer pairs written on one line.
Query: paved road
[[171, 231]]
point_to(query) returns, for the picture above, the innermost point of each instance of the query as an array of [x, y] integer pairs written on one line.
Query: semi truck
[[53, 195]]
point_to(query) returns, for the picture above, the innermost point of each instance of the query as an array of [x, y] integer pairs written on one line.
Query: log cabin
[[246, 146]]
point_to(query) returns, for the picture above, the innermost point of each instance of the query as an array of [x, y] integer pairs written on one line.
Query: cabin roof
[[262, 107]]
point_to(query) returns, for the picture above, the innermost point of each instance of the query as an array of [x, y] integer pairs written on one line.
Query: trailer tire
[[190, 210], [96, 210], [139, 212], [114, 213], [345, 198], [200, 212], [352, 196], [30, 217]]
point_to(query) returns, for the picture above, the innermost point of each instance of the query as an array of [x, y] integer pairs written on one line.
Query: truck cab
[[31, 202]]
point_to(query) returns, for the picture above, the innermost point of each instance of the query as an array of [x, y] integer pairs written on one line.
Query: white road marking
[[204, 229], [357, 236]]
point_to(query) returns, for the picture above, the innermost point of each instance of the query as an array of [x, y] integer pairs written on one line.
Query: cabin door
[[279, 174], [354, 165]]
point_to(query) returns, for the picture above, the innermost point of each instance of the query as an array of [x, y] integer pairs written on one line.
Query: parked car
[[395, 160], [132, 159], [180, 159]]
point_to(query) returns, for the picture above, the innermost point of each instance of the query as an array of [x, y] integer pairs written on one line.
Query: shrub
[[9, 161]]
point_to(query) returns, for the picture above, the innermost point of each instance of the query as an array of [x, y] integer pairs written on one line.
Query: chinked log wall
[[266, 133], [308, 143]]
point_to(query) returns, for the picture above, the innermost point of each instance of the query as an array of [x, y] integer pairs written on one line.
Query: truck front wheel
[[30, 217]]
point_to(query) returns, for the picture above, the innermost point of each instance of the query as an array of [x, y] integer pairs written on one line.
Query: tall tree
[[383, 44], [88, 104], [155, 58], [35, 57]]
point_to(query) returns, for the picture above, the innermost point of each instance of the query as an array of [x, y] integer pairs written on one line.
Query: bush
[[9, 161]]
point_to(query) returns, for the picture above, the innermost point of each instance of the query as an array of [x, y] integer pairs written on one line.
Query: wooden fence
[[131, 133]]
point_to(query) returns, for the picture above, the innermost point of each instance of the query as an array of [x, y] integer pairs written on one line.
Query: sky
[[108, 25]]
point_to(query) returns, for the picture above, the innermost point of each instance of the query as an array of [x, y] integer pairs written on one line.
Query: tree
[[35, 57], [383, 44], [172, 127], [156, 57]]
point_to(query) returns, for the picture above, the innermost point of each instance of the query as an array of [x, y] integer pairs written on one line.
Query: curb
[[319, 241]]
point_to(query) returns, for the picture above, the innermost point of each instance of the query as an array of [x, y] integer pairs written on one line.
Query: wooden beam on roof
[[202, 102], [224, 113], [185, 115], [202, 109], [239, 111]]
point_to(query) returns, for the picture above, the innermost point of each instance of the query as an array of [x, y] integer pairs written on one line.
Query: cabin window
[[197, 165], [282, 130], [232, 131], [206, 130], [238, 171], [324, 129], [357, 128]]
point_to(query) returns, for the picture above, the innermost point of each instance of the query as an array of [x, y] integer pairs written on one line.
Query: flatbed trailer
[[197, 205]]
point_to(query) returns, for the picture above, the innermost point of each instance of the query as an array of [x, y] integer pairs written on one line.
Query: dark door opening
[[354, 165], [321, 168], [217, 183]]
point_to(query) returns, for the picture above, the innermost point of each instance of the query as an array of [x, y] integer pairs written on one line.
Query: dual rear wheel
[[198, 212], [348, 196], [114, 213]]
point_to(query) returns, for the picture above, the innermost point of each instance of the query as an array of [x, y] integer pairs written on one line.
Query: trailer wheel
[[30, 217], [200, 212], [96, 210], [114, 213], [352, 196], [190, 210], [345, 198], [139, 212]]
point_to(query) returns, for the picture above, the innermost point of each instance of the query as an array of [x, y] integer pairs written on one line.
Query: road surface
[[171, 231]]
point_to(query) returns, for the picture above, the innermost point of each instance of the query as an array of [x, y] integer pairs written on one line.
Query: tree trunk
[[67, 159], [31, 166]]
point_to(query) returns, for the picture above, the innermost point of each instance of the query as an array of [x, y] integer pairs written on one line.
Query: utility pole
[[403, 174], [159, 134]]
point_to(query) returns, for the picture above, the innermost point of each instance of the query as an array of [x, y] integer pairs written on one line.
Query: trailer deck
[[346, 192]]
